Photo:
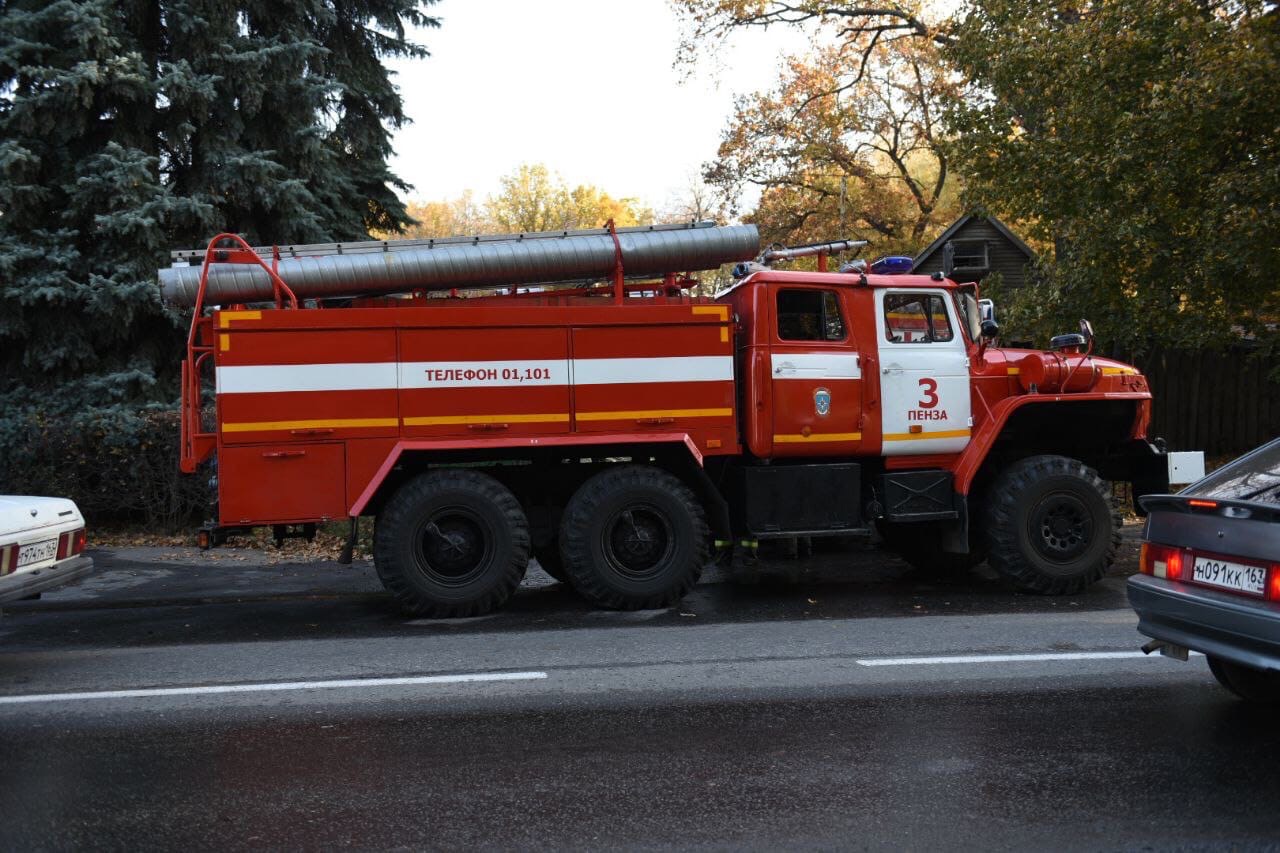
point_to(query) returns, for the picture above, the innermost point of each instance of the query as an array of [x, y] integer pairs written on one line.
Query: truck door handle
[[312, 431], [655, 420], [488, 427], [282, 454]]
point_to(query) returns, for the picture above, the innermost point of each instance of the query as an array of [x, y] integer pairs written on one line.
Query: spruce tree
[[130, 127]]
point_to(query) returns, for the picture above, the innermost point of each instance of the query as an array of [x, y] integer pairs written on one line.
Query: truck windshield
[[972, 314]]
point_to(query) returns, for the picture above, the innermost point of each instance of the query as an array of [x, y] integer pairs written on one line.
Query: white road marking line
[[1031, 658], [270, 687]]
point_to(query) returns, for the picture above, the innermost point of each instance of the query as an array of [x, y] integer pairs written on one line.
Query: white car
[[41, 545]]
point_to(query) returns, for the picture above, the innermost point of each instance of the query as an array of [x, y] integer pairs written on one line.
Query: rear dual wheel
[[633, 537], [451, 542]]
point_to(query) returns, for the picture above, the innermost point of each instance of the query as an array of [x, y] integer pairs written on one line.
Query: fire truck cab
[[625, 433]]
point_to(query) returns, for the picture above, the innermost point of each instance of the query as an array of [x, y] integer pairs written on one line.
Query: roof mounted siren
[[892, 265]]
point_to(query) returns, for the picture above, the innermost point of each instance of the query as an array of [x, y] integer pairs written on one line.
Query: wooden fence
[[1220, 402]]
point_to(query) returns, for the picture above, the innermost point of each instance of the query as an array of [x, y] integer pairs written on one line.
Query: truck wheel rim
[[454, 546], [1061, 527], [638, 541]]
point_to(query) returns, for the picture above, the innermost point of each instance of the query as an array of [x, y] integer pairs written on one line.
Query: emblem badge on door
[[822, 401]]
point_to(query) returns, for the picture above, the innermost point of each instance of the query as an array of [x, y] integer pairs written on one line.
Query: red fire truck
[[563, 396]]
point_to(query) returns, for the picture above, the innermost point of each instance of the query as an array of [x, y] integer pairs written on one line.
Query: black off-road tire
[[633, 538], [918, 546], [1051, 525], [1252, 685], [450, 543]]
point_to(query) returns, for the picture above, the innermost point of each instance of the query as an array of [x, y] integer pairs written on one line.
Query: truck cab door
[[816, 374], [924, 373]]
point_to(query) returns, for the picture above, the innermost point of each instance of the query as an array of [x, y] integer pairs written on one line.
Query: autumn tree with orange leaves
[[840, 153]]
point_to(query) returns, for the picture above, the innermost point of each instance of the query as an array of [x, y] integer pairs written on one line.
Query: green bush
[[118, 463]]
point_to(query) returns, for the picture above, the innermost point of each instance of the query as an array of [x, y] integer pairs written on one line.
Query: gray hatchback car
[[1210, 578]]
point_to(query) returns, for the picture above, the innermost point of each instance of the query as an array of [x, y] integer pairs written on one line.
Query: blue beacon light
[[892, 265]]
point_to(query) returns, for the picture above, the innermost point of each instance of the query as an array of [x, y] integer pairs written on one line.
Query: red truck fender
[[975, 453]]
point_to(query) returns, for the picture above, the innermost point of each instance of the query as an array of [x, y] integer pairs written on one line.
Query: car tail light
[[8, 559], [1161, 561], [1273, 586], [1202, 504], [71, 543]]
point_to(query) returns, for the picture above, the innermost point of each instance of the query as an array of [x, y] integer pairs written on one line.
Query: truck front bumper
[[1151, 469], [1241, 630]]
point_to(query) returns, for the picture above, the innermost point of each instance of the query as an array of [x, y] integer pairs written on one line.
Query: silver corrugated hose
[[465, 264]]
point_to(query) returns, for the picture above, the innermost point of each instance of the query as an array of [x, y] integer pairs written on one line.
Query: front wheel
[[633, 537], [1051, 525], [1252, 685], [451, 542]]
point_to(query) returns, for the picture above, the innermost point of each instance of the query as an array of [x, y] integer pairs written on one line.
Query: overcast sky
[[585, 86]]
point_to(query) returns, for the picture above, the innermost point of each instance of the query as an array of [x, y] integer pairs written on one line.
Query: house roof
[[955, 227]]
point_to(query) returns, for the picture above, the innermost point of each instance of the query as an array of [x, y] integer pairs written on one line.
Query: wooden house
[[975, 245]]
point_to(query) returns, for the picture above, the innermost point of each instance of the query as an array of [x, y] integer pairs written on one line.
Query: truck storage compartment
[[480, 383], [920, 496], [278, 483], [654, 378], [300, 384], [790, 500]]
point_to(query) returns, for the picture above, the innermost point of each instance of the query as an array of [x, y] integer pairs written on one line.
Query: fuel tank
[[1052, 372]]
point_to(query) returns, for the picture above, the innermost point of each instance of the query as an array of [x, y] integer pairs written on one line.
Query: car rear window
[[1253, 477]]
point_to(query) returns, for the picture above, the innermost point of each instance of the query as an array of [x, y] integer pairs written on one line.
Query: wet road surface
[[848, 704]]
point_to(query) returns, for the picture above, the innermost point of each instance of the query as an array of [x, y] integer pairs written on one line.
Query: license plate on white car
[[37, 552], [1226, 575]]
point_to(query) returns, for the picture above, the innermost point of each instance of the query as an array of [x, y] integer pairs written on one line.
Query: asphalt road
[[178, 701]]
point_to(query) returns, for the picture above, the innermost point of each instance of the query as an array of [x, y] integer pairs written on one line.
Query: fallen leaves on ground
[[327, 544]]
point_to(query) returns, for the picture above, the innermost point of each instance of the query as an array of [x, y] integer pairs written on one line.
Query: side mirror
[[990, 329], [1086, 329]]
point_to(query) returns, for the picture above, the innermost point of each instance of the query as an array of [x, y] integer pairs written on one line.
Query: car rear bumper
[[1243, 631], [23, 584]]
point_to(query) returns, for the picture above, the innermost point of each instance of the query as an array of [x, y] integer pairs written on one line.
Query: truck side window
[[916, 318], [809, 315]]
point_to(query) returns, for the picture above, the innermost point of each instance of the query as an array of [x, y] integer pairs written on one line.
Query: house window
[[916, 318], [809, 315]]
